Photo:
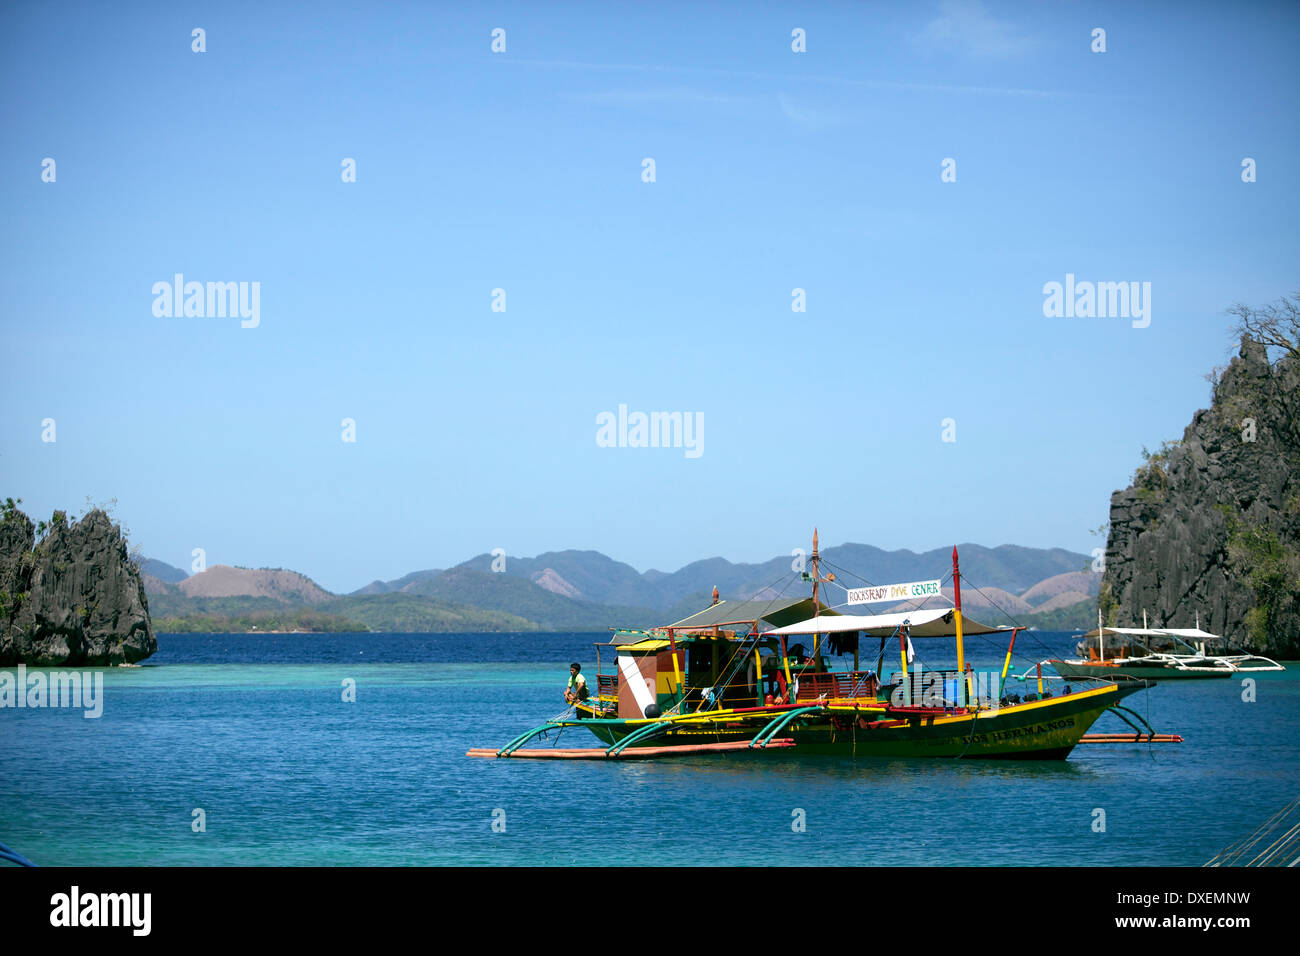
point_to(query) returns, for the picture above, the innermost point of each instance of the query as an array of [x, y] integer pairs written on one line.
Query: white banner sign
[[894, 592]]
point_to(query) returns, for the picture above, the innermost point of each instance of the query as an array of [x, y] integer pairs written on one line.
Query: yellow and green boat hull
[[1045, 729]]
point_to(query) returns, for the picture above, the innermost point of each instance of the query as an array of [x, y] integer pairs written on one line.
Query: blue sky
[[522, 170]]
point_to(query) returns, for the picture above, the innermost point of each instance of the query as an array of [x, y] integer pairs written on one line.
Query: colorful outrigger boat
[[1157, 653], [753, 676]]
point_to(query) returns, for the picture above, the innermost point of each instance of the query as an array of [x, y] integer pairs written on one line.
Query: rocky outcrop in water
[[72, 598], [1211, 524]]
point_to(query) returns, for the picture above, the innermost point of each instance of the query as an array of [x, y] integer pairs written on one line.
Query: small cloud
[[966, 26], [682, 95], [660, 96], [806, 116]]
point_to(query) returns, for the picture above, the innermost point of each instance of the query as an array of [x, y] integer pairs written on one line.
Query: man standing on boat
[[576, 690]]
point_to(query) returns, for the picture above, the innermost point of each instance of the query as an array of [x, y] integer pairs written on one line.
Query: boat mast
[[816, 575], [816, 580], [961, 650]]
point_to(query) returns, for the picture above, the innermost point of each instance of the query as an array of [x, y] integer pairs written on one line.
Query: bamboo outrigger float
[[728, 679]]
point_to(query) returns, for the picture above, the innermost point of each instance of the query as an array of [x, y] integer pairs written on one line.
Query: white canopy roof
[[936, 622]]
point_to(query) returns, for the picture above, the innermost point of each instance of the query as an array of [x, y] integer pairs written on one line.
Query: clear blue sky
[[522, 170]]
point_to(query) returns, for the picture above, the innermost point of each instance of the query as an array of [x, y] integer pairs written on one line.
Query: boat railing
[[1044, 675], [980, 689], [837, 685], [939, 688]]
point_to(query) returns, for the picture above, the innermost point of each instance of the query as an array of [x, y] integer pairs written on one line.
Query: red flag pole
[[961, 650]]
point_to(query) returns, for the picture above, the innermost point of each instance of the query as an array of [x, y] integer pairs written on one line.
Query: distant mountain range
[[586, 590]]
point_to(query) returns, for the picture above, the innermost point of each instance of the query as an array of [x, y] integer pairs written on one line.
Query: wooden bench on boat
[[837, 685]]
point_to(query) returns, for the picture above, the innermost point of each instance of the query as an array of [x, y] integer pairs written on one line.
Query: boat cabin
[[738, 655]]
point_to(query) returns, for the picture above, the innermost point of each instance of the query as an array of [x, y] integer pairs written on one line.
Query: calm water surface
[[253, 730]]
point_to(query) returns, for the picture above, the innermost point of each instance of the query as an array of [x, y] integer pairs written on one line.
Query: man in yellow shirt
[[576, 689]]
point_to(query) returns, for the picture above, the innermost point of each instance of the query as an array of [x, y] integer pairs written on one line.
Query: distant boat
[[1156, 653]]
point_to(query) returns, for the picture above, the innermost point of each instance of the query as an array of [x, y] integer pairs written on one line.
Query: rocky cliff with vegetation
[[1211, 524], [69, 592]]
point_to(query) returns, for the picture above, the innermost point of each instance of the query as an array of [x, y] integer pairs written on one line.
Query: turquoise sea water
[[254, 731]]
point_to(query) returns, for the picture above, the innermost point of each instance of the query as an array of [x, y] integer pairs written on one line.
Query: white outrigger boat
[[1156, 653]]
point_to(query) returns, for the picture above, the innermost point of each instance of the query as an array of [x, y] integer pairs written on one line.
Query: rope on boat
[[1007, 614], [1284, 850], [970, 737], [732, 668], [917, 605], [1269, 855], [1025, 632]]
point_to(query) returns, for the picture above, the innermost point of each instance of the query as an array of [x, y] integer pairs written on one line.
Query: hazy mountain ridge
[[397, 584], [1085, 583], [582, 590], [600, 579], [162, 571]]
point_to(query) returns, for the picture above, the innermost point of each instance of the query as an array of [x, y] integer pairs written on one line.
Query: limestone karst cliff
[[73, 597], [1211, 524]]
